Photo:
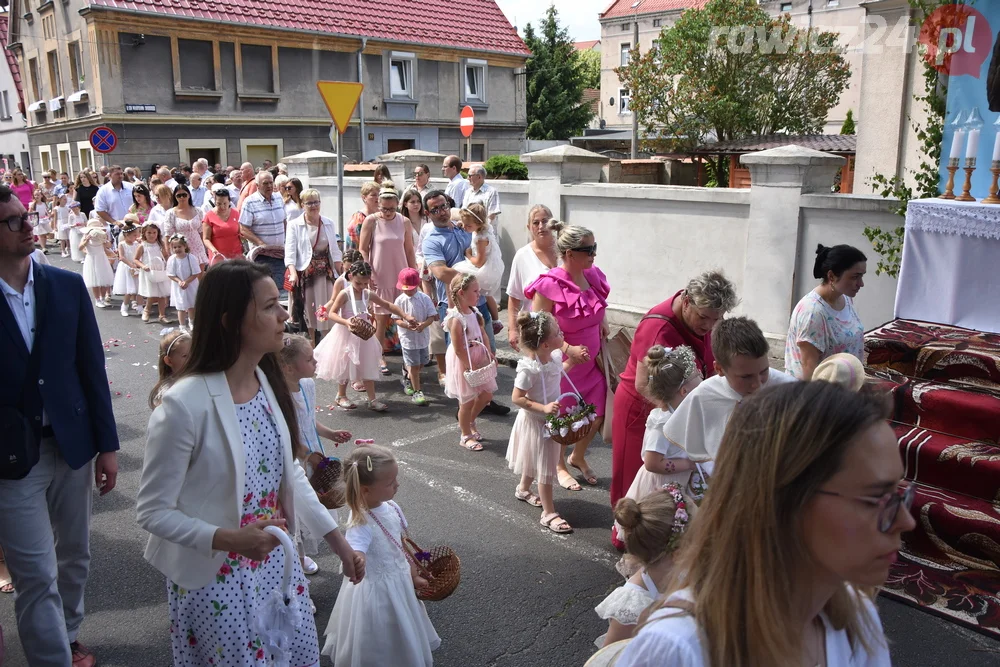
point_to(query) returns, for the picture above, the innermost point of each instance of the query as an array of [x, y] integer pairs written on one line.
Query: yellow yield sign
[[341, 98]]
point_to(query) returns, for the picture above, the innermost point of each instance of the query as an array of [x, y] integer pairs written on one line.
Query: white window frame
[[5, 105], [623, 101], [657, 23], [480, 95], [623, 49], [84, 148], [44, 158], [68, 168], [407, 62], [782, 7]]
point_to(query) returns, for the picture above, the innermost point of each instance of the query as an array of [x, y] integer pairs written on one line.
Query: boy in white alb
[[742, 368], [414, 341]]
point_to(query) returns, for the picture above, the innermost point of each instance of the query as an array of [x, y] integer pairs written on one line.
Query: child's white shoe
[[124, 310]]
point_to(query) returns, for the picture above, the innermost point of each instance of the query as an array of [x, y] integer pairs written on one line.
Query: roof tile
[[828, 143], [15, 69], [472, 24], [626, 8]]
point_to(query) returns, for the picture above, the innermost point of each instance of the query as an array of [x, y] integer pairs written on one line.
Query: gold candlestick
[[994, 189], [967, 188], [949, 190]]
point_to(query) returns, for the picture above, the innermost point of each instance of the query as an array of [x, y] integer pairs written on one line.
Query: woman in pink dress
[[22, 187], [576, 294], [387, 244]]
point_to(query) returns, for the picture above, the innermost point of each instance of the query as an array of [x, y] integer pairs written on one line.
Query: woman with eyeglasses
[[576, 294], [387, 244], [802, 520], [313, 259], [291, 193], [184, 218]]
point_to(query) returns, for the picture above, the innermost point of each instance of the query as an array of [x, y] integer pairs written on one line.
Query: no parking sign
[[103, 139]]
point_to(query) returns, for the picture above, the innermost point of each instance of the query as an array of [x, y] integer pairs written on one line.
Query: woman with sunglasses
[[184, 218], [291, 193], [576, 294], [803, 518]]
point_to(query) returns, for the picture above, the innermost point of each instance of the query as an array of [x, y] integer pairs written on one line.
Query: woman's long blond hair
[[740, 558]]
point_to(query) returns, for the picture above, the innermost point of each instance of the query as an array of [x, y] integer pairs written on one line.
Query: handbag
[[288, 286], [477, 377], [440, 566], [20, 450]]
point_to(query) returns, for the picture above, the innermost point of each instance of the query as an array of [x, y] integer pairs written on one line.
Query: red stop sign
[[467, 121]]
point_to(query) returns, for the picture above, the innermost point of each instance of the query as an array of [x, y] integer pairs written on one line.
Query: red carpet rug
[[945, 383]]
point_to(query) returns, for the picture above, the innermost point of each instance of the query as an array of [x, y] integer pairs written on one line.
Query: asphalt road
[[527, 595]]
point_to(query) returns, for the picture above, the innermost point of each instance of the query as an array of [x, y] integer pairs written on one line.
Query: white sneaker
[[98, 303], [311, 566], [124, 310], [136, 307]]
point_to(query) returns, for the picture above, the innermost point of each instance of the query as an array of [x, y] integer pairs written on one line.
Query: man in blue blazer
[[48, 331]]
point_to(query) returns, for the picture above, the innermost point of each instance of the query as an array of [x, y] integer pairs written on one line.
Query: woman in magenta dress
[[576, 294], [387, 244]]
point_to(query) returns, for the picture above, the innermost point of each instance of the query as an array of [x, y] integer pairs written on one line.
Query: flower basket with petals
[[572, 424]]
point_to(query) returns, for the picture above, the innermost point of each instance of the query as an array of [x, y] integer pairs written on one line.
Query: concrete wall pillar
[[402, 163], [549, 169], [779, 178]]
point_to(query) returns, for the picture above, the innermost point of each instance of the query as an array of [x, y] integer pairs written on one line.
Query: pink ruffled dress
[[341, 356], [579, 314], [455, 385]]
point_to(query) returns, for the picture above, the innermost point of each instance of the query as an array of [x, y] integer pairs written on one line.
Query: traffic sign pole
[[340, 188], [341, 99], [466, 123]]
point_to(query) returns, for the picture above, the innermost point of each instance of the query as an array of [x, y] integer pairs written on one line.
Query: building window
[[401, 74], [76, 77], [833, 3], [475, 80], [257, 68], [197, 64], [33, 74], [5, 105], [55, 83], [624, 54], [49, 26], [623, 99], [786, 6], [657, 23], [478, 152], [626, 27]]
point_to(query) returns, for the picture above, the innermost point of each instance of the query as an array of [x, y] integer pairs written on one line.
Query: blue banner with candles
[[963, 43]]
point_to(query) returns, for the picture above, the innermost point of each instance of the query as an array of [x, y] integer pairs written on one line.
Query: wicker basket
[[573, 436], [326, 480], [440, 566], [477, 377], [361, 328]]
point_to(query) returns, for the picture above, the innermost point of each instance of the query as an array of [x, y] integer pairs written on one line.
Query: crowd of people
[[741, 494]]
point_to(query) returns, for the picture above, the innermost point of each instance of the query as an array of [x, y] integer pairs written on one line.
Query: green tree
[[590, 65], [555, 82], [700, 82], [849, 126]]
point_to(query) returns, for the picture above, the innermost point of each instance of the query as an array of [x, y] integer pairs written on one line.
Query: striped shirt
[[266, 219]]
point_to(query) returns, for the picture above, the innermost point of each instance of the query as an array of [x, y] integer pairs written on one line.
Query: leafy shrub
[[506, 165]]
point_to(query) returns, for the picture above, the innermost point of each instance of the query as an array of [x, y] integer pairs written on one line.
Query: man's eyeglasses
[[587, 249], [439, 209], [889, 504], [16, 223], [418, 174]]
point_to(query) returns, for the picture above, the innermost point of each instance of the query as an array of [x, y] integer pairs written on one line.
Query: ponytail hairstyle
[[567, 236], [362, 468], [534, 328], [293, 348], [459, 283], [653, 527], [838, 259], [668, 370]]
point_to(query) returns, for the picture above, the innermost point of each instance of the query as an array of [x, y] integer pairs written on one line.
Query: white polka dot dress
[[211, 625]]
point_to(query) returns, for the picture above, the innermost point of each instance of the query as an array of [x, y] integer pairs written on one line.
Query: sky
[[578, 16]]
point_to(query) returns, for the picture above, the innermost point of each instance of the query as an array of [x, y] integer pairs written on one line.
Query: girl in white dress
[[531, 452], [670, 375], [379, 621], [43, 227], [97, 273], [299, 367], [651, 530], [151, 259], [77, 225], [184, 271], [344, 357], [127, 274], [483, 258], [61, 215]]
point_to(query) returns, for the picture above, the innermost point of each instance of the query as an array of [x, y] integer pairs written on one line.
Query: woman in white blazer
[[219, 467], [313, 260]]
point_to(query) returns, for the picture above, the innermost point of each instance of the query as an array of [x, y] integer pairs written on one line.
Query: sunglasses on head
[[587, 249]]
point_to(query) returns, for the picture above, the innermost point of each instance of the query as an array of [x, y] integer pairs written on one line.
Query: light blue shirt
[[198, 196]]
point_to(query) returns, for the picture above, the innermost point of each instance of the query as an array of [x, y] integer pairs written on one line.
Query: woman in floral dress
[[218, 469]]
